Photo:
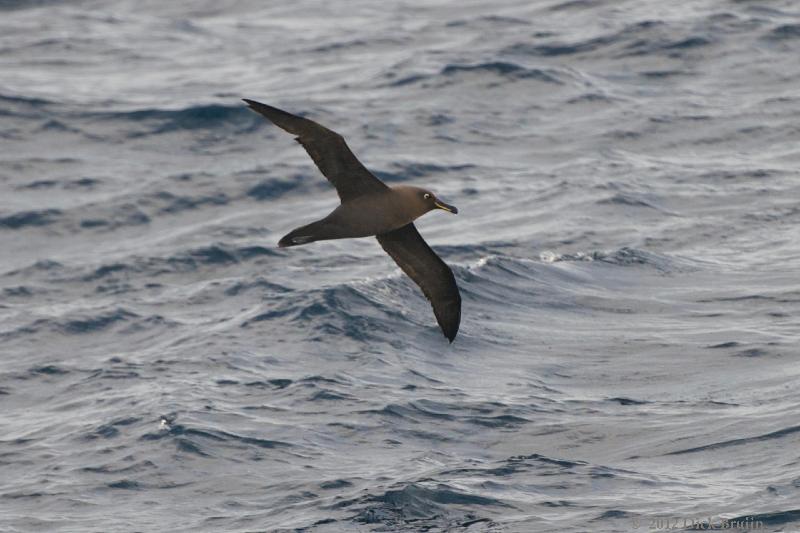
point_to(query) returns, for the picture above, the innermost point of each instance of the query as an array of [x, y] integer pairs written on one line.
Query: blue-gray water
[[627, 249]]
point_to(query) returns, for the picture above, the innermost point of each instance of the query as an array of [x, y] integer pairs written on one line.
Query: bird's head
[[424, 200]]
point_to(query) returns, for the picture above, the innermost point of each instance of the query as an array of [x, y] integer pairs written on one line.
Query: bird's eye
[[426, 195]]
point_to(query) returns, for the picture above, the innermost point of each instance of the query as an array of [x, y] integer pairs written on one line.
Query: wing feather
[[329, 151], [413, 255]]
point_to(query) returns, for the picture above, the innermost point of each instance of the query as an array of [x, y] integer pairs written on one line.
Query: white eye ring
[[426, 195]]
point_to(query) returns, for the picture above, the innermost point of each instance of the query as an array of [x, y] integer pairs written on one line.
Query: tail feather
[[304, 235], [294, 240]]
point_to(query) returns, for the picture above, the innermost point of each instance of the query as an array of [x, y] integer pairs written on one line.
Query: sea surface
[[627, 248]]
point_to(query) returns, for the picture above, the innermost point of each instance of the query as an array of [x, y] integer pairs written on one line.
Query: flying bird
[[370, 207]]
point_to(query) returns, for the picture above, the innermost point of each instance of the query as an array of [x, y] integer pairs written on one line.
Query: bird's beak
[[441, 205]]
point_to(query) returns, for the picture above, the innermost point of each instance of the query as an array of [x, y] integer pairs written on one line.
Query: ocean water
[[627, 250]]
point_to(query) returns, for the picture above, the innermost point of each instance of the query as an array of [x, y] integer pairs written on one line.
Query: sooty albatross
[[370, 207]]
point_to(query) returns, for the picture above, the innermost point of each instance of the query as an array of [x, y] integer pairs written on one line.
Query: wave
[[406, 171], [541, 465], [111, 429], [391, 307], [435, 503], [113, 213], [738, 442], [60, 116], [441, 506], [11, 5], [628, 257], [211, 116], [47, 370], [184, 261], [273, 188], [485, 414], [20, 291], [374, 310], [121, 321], [135, 208], [382, 309], [488, 20], [784, 33], [79, 183], [24, 100], [40, 266], [649, 37], [335, 311], [633, 200], [200, 441], [576, 4], [174, 203], [25, 219], [502, 69]]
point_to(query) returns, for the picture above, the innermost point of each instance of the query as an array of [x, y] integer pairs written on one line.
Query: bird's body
[[363, 216], [371, 208]]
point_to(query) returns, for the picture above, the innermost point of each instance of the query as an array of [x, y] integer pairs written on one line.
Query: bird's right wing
[[328, 150], [413, 255]]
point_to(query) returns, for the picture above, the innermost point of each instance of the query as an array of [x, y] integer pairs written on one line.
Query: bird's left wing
[[328, 150], [413, 255]]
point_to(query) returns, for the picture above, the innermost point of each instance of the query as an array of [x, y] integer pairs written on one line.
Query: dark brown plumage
[[410, 251], [369, 207]]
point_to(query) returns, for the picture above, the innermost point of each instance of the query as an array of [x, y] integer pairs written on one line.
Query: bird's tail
[[304, 235]]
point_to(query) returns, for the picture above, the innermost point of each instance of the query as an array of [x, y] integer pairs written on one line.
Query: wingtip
[[450, 324]]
